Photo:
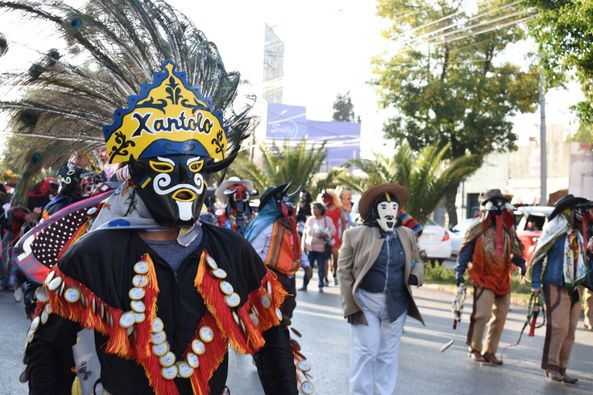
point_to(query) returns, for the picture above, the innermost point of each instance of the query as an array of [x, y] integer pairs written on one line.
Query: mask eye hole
[[161, 167], [196, 166]]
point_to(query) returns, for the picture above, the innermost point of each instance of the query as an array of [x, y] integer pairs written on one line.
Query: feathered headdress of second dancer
[[172, 132]]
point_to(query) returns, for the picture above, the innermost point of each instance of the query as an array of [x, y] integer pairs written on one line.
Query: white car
[[457, 233], [435, 242]]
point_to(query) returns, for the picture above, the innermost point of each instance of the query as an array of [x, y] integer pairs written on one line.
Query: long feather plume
[[107, 49]]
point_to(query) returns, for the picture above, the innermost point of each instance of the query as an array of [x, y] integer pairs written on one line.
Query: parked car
[[457, 233], [530, 221], [435, 242]]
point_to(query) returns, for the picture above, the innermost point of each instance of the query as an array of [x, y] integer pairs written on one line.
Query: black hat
[[277, 192], [568, 201], [493, 194]]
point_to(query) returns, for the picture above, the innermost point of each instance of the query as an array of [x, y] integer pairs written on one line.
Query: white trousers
[[374, 353]]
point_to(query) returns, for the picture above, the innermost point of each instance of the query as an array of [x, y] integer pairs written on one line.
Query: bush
[[439, 274]]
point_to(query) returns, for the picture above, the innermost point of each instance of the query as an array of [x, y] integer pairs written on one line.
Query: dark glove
[[459, 278], [356, 318], [413, 280]]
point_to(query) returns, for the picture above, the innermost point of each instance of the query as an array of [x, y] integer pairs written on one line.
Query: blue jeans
[[320, 258]]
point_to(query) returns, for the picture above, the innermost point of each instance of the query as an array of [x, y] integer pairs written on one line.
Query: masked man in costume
[[236, 195], [164, 294], [491, 246], [559, 266], [274, 236], [378, 264]]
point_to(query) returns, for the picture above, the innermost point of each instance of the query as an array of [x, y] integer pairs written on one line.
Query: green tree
[[282, 164], [426, 174], [344, 109], [446, 85], [563, 31]]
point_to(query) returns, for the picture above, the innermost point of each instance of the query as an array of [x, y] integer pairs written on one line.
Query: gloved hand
[[413, 280], [356, 318], [459, 278]]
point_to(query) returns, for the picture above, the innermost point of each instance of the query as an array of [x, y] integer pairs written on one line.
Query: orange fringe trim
[[118, 343]]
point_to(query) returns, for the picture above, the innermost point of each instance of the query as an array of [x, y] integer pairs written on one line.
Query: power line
[[489, 21], [453, 25]]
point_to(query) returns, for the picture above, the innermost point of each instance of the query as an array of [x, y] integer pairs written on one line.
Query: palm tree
[[426, 174], [282, 164]]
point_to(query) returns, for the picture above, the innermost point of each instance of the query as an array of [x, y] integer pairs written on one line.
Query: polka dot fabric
[[50, 241]]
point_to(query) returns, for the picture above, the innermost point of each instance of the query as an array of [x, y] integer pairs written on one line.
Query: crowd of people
[[139, 282]]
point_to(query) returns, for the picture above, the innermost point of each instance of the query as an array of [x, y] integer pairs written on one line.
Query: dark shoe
[[326, 282], [490, 357], [567, 379], [475, 356], [336, 281], [302, 289], [554, 375], [321, 291]]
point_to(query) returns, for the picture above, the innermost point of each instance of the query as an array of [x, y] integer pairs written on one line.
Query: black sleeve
[[49, 357], [275, 363]]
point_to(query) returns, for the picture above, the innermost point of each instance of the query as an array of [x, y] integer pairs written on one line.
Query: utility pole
[[543, 200]]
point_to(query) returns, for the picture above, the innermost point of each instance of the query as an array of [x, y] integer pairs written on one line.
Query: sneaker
[[18, 294], [336, 281], [321, 291]]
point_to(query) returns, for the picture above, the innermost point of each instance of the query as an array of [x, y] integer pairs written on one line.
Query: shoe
[[18, 295], [321, 291], [302, 289], [490, 357], [326, 282], [336, 283], [567, 379], [554, 375], [475, 356]]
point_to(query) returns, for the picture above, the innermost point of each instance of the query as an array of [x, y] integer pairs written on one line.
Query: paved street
[[423, 369]]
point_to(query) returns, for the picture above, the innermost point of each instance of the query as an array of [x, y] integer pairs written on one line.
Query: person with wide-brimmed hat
[[235, 194], [491, 246], [559, 266], [378, 263]]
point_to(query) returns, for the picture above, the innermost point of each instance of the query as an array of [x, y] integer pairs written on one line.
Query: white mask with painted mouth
[[387, 215]]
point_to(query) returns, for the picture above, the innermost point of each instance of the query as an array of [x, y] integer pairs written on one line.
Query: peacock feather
[[107, 49]]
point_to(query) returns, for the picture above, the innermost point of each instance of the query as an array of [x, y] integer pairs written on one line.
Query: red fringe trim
[[211, 360]]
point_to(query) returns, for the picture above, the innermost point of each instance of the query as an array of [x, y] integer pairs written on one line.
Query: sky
[[328, 46]]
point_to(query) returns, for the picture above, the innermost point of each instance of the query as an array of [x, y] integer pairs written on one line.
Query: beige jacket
[[360, 248]]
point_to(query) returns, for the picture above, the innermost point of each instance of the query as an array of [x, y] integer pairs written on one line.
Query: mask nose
[[184, 195]]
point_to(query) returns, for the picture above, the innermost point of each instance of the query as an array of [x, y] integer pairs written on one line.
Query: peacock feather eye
[[75, 22]]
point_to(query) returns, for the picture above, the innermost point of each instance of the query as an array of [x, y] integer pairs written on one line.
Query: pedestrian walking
[[318, 232], [333, 210], [378, 263], [558, 267], [492, 247]]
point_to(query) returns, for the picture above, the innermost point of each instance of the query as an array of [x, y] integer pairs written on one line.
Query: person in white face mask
[[377, 264]]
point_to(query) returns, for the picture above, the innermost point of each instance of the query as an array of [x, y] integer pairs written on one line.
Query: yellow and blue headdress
[[168, 117]]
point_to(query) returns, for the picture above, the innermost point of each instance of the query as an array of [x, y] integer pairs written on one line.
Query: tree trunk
[[450, 196]]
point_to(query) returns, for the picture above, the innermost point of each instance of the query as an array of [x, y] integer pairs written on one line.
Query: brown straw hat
[[368, 197]]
